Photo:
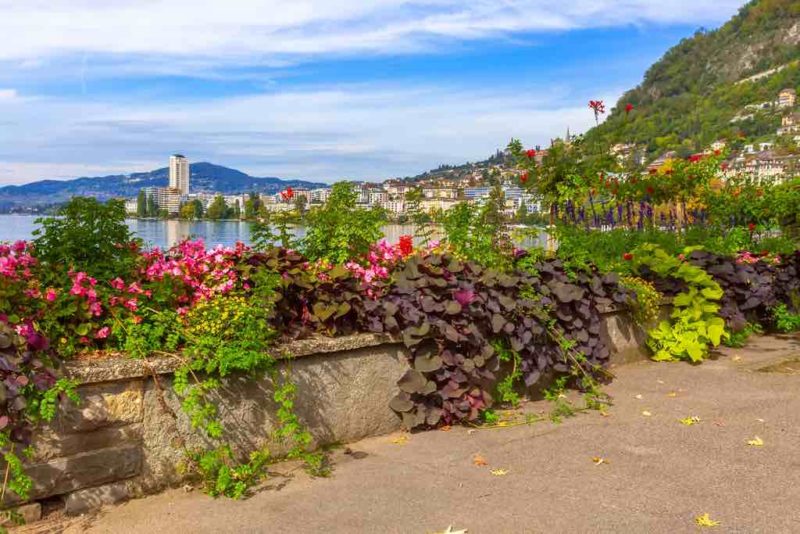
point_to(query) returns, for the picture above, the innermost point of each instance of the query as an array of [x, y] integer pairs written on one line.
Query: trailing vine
[[695, 323]]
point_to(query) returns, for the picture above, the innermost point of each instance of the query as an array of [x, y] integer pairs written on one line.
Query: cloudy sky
[[320, 89]]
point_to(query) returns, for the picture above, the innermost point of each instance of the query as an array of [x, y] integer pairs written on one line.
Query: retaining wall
[[127, 436]]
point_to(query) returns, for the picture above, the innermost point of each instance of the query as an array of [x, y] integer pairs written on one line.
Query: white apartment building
[[378, 197], [395, 207], [179, 173], [166, 198], [131, 206], [320, 196]]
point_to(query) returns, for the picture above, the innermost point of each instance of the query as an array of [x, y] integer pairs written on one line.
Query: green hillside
[[688, 98]]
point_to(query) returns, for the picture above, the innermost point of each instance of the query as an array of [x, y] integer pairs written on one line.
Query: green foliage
[[647, 305], [785, 320], [479, 234], [506, 387], [219, 209], [695, 323], [273, 229], [222, 474], [89, 236], [339, 230], [740, 337]]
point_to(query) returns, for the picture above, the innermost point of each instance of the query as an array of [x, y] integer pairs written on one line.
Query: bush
[[339, 230], [88, 236]]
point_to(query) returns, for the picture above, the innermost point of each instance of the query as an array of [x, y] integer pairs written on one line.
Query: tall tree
[[141, 204], [218, 209]]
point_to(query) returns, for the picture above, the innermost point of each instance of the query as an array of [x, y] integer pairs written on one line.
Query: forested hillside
[[699, 90]]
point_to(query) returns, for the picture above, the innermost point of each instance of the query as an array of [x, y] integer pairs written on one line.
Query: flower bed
[[475, 333]]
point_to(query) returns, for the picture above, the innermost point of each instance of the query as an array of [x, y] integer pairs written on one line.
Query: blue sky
[[317, 89]]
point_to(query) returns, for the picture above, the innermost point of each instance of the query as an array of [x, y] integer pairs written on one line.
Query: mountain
[[699, 91], [204, 177]]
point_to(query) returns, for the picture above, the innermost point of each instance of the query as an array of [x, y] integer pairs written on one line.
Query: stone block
[[29, 513], [93, 468], [102, 405], [49, 443], [85, 500]]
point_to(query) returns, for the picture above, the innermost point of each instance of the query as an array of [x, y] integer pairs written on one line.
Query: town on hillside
[[767, 159]]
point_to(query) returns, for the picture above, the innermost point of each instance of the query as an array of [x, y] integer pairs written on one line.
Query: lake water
[[165, 233]]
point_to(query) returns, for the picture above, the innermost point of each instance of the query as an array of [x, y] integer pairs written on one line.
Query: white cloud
[[360, 131], [250, 31], [8, 94]]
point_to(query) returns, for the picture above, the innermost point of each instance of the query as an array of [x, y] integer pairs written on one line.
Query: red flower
[[531, 153], [597, 106], [652, 170], [751, 227], [650, 190], [406, 245], [627, 256], [523, 177], [724, 166], [288, 194], [717, 152], [628, 108]]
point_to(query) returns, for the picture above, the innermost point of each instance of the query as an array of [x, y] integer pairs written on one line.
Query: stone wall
[[128, 435]]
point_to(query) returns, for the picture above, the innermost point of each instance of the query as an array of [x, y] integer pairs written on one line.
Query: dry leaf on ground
[[400, 440], [755, 442], [479, 460], [646, 413], [599, 460], [499, 472], [689, 421], [449, 530], [705, 521]]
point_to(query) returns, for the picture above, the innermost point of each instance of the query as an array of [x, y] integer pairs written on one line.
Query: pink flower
[[117, 284], [50, 295], [102, 333]]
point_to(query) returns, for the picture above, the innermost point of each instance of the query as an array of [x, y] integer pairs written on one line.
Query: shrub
[[88, 236], [340, 230]]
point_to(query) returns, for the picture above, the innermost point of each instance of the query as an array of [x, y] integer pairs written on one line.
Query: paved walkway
[[657, 475]]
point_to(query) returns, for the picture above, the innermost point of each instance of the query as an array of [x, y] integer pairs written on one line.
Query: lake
[[165, 233]]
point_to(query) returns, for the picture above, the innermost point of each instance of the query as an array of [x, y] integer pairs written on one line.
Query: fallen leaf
[[737, 358], [604, 413], [479, 460], [689, 421], [705, 521], [449, 530], [719, 423], [756, 442], [502, 423], [499, 472], [599, 460], [400, 440], [646, 413], [638, 396], [759, 420], [672, 394], [660, 381], [446, 428], [471, 431]]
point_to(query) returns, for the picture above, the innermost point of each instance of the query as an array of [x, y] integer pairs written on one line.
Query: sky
[[314, 89]]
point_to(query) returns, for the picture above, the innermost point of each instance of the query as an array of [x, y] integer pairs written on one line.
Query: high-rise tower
[[179, 173]]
